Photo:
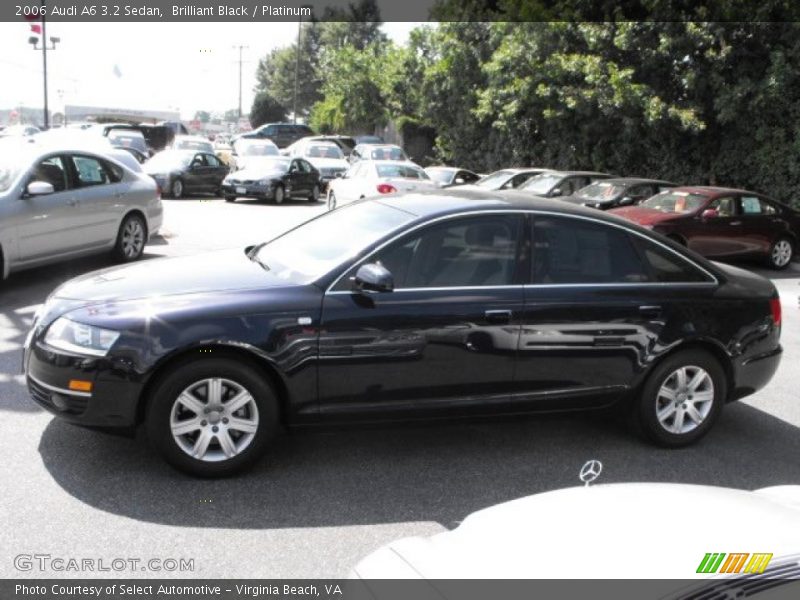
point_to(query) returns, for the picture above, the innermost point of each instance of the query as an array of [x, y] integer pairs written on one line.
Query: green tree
[[266, 109], [203, 116]]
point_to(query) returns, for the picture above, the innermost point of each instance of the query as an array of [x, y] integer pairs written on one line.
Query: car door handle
[[735, 223], [650, 311], [498, 316]]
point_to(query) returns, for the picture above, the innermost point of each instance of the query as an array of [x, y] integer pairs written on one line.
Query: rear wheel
[[212, 417], [781, 253], [331, 201], [131, 238], [314, 196], [230, 198], [681, 399]]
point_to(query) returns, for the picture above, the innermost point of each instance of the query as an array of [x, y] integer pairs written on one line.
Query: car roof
[[710, 190], [637, 180], [571, 173], [401, 163]]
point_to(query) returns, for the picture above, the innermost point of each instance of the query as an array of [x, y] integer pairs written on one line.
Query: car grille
[[71, 405]]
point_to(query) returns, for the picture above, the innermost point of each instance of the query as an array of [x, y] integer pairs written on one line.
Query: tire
[[331, 201], [278, 194], [230, 198], [176, 189], [314, 196], [131, 238], [658, 389], [781, 253], [227, 448]]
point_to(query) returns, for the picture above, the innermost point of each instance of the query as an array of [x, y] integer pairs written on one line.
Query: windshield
[[324, 151], [542, 184], [403, 171], [310, 251], [494, 180], [193, 145], [440, 175], [601, 191], [388, 154], [252, 149], [170, 160], [675, 202]]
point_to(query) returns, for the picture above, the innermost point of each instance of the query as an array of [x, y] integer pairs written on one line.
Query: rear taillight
[[775, 307], [386, 188]]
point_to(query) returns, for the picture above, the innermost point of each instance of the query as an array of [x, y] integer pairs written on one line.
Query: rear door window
[[90, 171]]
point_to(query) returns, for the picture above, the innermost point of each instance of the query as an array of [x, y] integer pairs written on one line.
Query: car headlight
[[71, 336], [265, 182]]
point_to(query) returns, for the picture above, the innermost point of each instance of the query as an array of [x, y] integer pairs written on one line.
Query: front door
[[444, 339]]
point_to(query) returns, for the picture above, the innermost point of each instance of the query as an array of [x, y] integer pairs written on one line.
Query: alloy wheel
[[177, 188], [684, 399], [214, 419], [132, 238], [782, 253]]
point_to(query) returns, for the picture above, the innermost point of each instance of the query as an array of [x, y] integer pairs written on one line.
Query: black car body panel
[[632, 190], [335, 353]]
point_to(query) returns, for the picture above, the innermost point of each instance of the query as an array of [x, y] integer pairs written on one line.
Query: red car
[[721, 223]]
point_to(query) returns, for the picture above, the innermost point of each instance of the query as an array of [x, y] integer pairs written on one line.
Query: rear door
[[761, 223], [100, 197], [444, 339]]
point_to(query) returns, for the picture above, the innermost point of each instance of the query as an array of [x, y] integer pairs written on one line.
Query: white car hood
[[641, 530], [329, 163]]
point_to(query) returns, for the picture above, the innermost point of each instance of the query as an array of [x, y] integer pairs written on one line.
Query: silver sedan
[[60, 202]]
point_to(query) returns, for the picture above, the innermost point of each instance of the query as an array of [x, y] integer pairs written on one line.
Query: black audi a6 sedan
[[421, 305]]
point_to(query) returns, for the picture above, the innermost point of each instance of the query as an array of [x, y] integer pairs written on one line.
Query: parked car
[[19, 131], [182, 172], [369, 139], [345, 142], [283, 134], [373, 178], [157, 137], [61, 202], [505, 179], [529, 537], [378, 152], [274, 178], [620, 191], [244, 150], [451, 176], [722, 223], [129, 139], [192, 142], [327, 157], [333, 320], [561, 184]]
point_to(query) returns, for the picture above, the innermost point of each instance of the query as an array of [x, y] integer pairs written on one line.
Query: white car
[[374, 178], [192, 142], [327, 157], [614, 531], [245, 150], [59, 202]]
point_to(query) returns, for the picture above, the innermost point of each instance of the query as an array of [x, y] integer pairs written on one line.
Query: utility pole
[[296, 70], [34, 41], [241, 47]]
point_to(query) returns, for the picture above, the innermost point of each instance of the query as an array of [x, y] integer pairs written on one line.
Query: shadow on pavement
[[436, 472]]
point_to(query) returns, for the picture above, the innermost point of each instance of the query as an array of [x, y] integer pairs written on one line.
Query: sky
[[158, 66]]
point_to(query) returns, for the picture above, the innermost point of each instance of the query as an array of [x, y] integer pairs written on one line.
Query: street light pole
[[34, 41], [240, 77], [296, 70]]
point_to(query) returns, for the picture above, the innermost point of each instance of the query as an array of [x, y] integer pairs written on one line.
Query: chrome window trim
[[714, 281], [59, 390]]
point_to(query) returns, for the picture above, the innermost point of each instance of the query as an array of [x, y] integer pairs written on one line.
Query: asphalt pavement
[[322, 500]]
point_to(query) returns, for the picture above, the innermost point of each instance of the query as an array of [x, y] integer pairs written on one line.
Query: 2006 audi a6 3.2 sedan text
[[421, 305]]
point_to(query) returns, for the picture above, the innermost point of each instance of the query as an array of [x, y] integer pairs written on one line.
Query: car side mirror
[[459, 181], [709, 213], [556, 192], [39, 188], [625, 200], [373, 277]]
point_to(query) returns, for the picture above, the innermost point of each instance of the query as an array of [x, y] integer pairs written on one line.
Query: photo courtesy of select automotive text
[[421, 300]]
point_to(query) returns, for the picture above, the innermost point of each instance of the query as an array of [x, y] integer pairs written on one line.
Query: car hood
[[209, 272], [567, 534], [646, 216]]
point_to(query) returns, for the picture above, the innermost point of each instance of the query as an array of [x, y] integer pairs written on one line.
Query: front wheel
[[278, 194], [681, 399], [230, 198], [131, 238], [781, 253], [176, 189], [212, 417]]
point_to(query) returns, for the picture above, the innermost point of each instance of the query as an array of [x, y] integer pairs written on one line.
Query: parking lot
[[321, 500]]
